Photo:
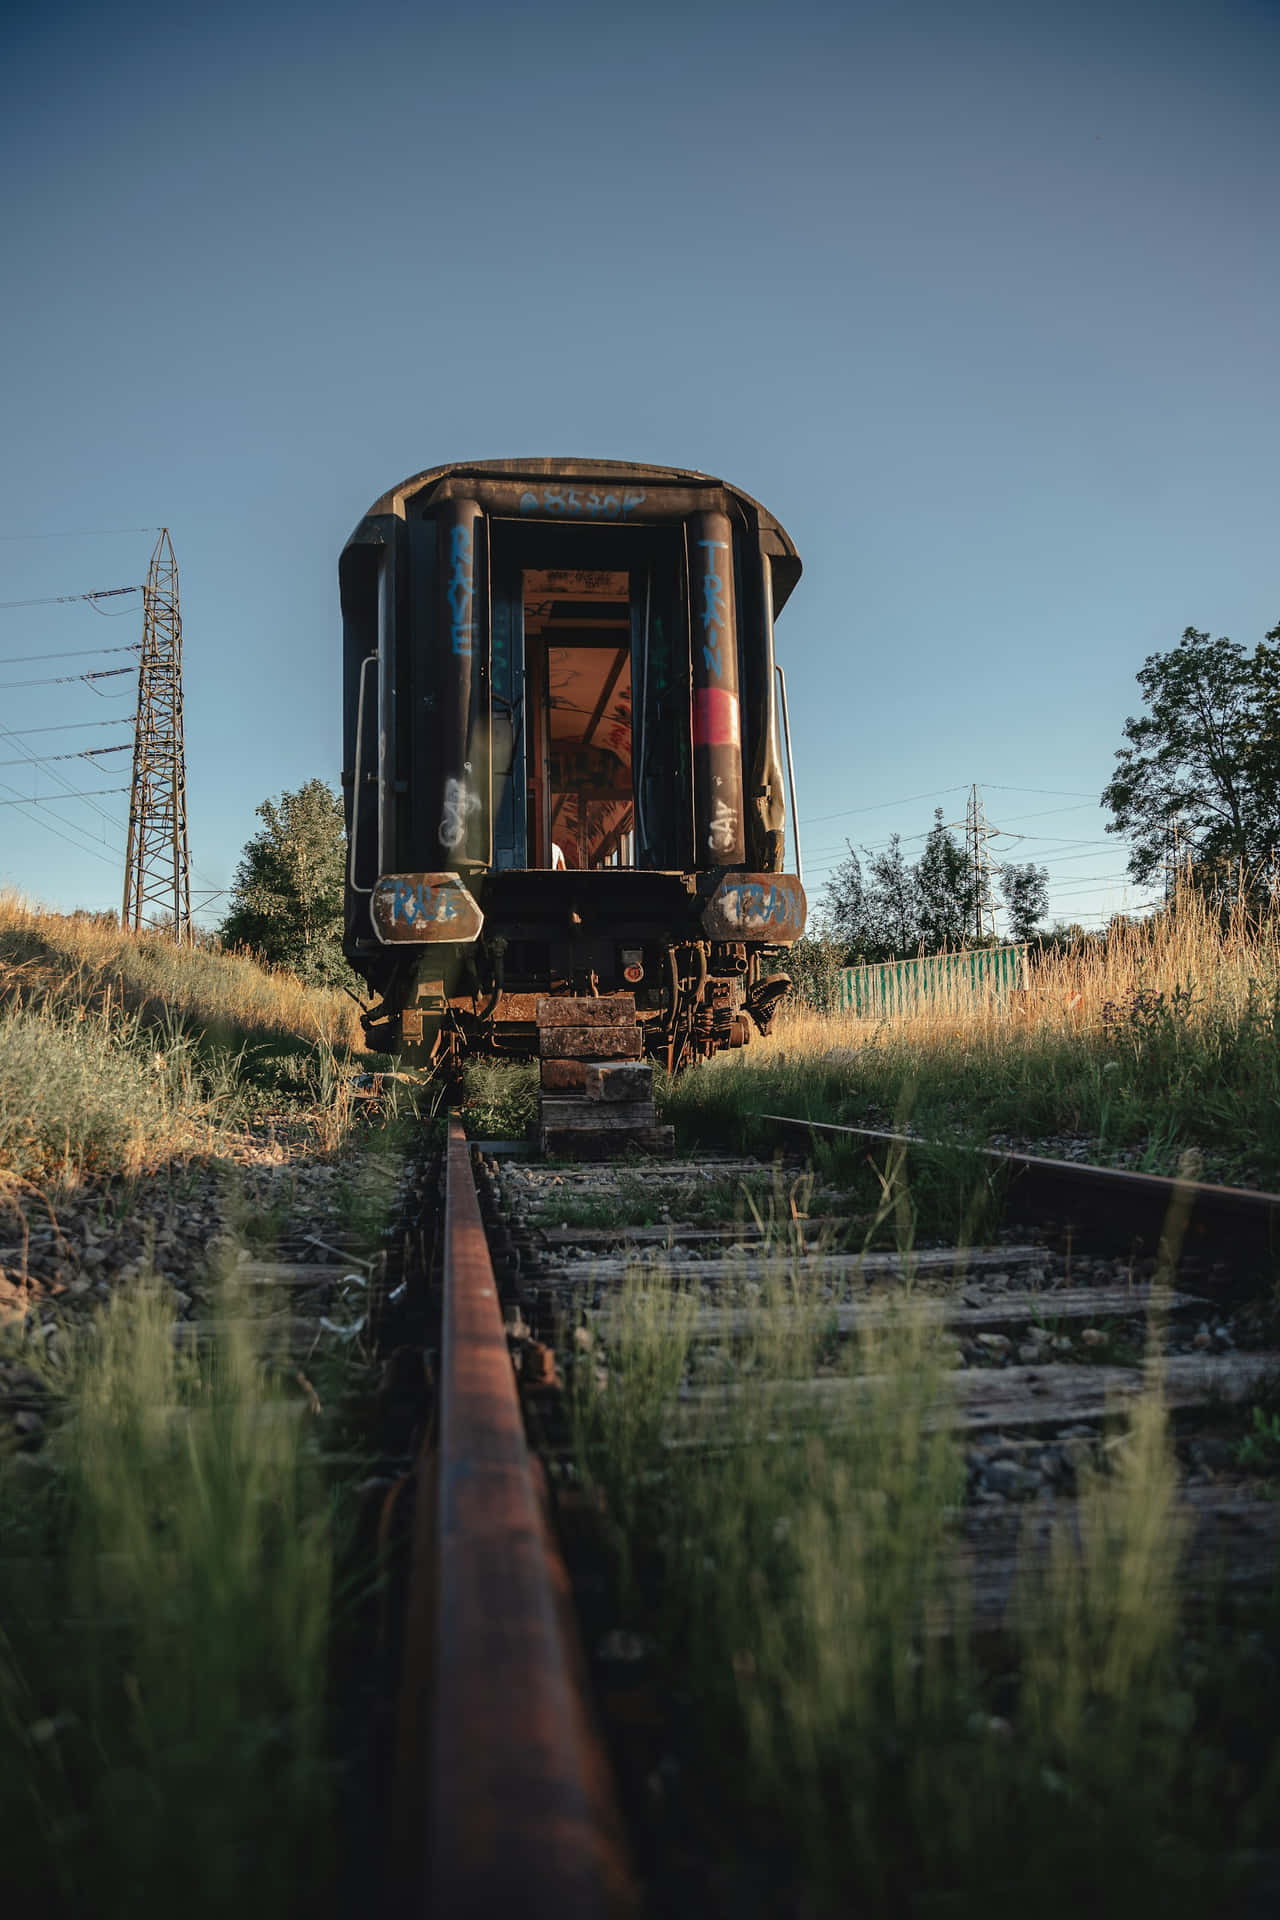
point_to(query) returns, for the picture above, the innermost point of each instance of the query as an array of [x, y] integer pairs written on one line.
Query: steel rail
[[519, 1813], [1239, 1223]]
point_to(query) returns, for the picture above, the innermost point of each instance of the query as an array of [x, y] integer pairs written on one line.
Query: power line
[[69, 679], [1045, 813], [1066, 793], [76, 726], [938, 793], [65, 599], [79, 533], [934, 793], [1040, 839], [44, 799], [10, 733], [47, 760], [40, 820], [76, 653]]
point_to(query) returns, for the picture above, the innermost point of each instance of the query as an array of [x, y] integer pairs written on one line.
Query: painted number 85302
[[567, 501]]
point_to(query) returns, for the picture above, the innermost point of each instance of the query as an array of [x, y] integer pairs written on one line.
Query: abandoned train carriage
[[561, 762]]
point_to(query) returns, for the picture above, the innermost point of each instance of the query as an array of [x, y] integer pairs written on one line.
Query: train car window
[[577, 626]]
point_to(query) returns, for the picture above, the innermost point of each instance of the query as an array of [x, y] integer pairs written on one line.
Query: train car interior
[[578, 721]]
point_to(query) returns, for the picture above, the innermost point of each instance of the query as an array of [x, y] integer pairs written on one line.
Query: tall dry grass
[[74, 959], [1163, 1036], [118, 1051]]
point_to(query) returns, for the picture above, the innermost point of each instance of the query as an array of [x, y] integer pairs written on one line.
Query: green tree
[[893, 908], [945, 889], [1026, 896], [1200, 777], [846, 912], [286, 899]]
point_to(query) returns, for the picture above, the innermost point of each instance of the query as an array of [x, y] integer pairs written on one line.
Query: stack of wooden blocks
[[597, 1092]]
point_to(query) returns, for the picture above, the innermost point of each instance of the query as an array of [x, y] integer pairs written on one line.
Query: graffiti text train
[[568, 502]]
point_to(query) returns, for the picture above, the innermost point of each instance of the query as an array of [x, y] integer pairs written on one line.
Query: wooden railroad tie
[[597, 1090]]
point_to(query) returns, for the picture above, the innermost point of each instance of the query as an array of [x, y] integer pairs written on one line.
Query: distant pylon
[[978, 833], [157, 876], [1174, 856]]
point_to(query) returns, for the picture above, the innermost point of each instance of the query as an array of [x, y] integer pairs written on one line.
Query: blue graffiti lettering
[[556, 503], [750, 903], [460, 588], [714, 610], [420, 902]]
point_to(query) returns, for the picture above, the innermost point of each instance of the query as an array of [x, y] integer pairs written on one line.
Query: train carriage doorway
[[578, 690]]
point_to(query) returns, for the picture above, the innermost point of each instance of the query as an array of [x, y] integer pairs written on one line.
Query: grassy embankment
[[1132, 1051], [169, 1556], [1160, 1040], [118, 1053]]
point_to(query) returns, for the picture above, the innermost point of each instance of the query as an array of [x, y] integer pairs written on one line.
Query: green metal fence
[[946, 980]]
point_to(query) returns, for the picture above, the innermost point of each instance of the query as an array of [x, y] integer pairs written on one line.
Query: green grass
[[648, 1202], [1259, 1448], [168, 1568], [840, 1752], [88, 1093], [499, 1098]]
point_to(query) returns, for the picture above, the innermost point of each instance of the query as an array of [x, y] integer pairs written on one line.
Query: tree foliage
[[897, 907], [1026, 896], [945, 889], [286, 899], [1200, 777]]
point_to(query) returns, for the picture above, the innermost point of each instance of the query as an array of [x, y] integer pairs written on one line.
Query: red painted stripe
[[715, 718]]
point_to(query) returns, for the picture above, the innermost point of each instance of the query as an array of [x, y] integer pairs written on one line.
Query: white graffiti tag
[[459, 805], [722, 833]]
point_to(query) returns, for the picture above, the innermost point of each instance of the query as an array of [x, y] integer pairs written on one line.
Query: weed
[[794, 1559], [1260, 1447], [500, 1098], [162, 1683]]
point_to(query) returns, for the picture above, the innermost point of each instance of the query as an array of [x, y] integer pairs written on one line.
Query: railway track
[[510, 1735], [1046, 1351]]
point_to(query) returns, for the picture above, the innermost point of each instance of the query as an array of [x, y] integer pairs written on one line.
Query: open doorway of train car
[[577, 639]]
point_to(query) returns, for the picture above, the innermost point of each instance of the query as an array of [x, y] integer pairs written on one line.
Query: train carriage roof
[[774, 537]]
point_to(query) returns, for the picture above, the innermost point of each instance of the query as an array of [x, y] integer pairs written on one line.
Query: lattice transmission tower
[[157, 874], [977, 833]]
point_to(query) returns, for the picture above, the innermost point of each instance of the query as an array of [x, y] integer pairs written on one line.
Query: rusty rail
[[512, 1793], [1239, 1224]]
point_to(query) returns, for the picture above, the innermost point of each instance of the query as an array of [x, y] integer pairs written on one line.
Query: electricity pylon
[[978, 833], [157, 873]]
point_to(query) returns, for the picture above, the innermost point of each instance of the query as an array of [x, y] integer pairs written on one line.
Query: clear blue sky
[[980, 300]]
